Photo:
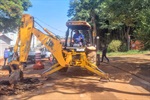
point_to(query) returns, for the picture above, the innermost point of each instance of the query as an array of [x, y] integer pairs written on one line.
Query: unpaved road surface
[[78, 84]]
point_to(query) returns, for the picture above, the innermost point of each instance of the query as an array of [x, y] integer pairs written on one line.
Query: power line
[[48, 25]]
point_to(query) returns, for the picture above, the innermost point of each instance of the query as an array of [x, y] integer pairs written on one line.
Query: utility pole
[[33, 41], [97, 51]]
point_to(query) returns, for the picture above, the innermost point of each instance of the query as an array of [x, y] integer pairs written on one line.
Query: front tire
[[91, 57]]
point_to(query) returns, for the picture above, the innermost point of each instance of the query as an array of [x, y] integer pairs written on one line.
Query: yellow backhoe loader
[[67, 54]]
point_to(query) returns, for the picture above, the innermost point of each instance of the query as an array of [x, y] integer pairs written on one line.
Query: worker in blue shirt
[[6, 55], [78, 37]]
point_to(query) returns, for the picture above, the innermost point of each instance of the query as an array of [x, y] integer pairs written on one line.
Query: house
[[136, 45], [13, 37], [4, 43]]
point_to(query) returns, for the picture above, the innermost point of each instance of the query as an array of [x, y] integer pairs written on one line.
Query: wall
[[4, 43]]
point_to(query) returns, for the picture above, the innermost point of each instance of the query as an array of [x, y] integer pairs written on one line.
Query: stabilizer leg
[[93, 68], [52, 69]]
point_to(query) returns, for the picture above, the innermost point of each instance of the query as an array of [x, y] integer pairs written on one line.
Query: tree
[[125, 14], [10, 13], [120, 18], [142, 31], [85, 10]]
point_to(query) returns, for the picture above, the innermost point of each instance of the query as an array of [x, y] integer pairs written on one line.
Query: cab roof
[[79, 25]]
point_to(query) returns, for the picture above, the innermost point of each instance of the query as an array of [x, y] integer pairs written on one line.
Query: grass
[[130, 52]]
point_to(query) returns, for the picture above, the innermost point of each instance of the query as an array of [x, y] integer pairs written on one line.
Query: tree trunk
[[128, 37], [94, 29]]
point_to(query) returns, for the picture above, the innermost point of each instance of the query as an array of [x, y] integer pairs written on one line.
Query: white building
[[4, 43], [13, 37]]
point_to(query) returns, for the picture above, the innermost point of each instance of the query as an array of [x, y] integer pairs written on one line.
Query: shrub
[[123, 47], [114, 45]]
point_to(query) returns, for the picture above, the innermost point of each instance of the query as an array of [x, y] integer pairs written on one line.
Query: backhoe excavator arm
[[26, 31], [52, 44], [23, 42]]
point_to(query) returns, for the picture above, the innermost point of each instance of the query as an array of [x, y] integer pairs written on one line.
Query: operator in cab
[[78, 38]]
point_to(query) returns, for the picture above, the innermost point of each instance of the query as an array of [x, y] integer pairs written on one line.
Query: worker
[[9, 59], [78, 38], [6, 55], [104, 51], [52, 59]]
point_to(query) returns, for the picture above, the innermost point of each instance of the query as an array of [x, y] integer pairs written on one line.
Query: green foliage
[[142, 31], [10, 12], [130, 52], [123, 16], [131, 13], [83, 9], [123, 47], [123, 11], [114, 46]]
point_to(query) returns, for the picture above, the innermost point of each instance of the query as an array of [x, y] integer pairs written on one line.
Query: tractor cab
[[78, 34], [83, 47]]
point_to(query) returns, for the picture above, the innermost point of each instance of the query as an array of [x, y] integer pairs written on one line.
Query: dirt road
[[78, 84]]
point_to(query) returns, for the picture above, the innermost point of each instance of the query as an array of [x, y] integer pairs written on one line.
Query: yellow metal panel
[[52, 69], [25, 36], [17, 43], [52, 44]]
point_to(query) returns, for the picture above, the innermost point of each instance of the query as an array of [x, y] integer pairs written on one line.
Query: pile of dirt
[[28, 84]]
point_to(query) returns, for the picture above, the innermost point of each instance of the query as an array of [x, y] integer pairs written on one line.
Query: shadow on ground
[[82, 81], [80, 88], [124, 68]]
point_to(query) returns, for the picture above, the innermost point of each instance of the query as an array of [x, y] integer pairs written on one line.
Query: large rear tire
[[91, 57]]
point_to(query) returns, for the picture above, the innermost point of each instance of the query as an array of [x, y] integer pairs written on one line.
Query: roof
[[4, 37], [79, 25]]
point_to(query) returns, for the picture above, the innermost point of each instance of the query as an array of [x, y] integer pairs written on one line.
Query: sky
[[50, 14]]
